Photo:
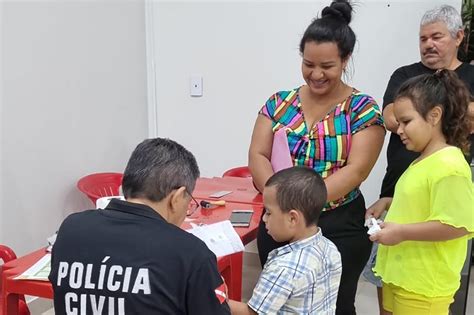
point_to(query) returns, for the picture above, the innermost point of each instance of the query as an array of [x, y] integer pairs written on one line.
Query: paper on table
[[219, 237], [39, 271], [281, 157]]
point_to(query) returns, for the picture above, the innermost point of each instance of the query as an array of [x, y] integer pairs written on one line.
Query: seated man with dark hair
[[303, 276], [133, 257]]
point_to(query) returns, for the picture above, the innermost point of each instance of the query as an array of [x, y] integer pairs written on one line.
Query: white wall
[[73, 103], [247, 50]]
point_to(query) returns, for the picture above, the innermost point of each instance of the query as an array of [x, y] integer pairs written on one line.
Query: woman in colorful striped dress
[[333, 128]]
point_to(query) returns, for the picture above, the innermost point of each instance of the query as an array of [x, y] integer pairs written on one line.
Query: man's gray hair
[[446, 14], [157, 167]]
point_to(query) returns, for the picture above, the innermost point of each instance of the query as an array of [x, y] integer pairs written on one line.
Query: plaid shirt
[[299, 278]]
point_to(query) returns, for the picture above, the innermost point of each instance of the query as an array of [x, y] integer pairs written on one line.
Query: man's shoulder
[[466, 72], [180, 239], [411, 70], [467, 67], [185, 243], [193, 243], [86, 215]]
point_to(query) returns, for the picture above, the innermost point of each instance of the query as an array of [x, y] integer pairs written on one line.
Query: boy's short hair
[[300, 188]]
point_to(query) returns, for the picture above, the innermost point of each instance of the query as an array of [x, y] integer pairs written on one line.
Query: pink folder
[[281, 157]]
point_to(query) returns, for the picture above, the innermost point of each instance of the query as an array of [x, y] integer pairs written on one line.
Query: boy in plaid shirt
[[303, 276]]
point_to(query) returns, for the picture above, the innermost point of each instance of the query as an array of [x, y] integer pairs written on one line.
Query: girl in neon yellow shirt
[[423, 241]]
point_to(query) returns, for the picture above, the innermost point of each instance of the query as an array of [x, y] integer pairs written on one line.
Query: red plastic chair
[[98, 185], [7, 254], [241, 171]]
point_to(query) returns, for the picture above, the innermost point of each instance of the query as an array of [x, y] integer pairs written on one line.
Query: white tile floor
[[366, 299]]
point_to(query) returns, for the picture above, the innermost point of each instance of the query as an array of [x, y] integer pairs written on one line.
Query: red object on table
[[241, 171], [230, 266], [242, 189]]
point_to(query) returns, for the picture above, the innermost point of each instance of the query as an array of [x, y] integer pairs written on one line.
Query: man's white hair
[[446, 14]]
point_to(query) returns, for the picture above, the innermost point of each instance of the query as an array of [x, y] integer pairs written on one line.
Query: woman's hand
[[378, 207], [391, 234]]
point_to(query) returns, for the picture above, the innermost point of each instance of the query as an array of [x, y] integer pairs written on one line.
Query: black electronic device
[[241, 218]]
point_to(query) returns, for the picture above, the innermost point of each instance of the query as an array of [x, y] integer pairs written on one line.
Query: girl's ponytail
[[456, 125]]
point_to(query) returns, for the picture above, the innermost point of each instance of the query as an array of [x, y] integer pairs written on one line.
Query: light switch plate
[[195, 85]]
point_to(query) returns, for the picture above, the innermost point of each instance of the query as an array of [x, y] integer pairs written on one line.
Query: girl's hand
[[378, 207], [391, 234]]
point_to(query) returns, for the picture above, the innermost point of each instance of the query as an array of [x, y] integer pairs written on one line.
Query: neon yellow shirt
[[437, 188]]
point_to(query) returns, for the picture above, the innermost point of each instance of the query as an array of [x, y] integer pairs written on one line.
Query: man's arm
[[206, 293], [396, 80], [389, 118]]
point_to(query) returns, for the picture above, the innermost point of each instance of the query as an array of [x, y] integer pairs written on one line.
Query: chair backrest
[[7, 254], [241, 171], [99, 185]]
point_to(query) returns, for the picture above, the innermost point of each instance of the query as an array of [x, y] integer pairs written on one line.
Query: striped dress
[[326, 146]]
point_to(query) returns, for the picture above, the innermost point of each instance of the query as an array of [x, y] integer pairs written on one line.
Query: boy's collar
[[296, 245]]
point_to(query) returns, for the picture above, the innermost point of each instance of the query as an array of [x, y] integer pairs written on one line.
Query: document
[[221, 237], [39, 271]]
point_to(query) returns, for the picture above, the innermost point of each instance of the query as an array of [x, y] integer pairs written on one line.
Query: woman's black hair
[[332, 26], [444, 89]]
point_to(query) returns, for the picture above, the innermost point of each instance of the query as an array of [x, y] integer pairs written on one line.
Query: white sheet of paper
[[221, 238], [102, 202], [39, 271], [219, 194]]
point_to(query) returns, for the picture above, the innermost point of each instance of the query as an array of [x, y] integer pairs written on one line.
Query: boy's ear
[[294, 216]]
